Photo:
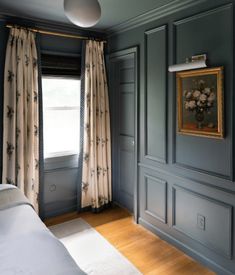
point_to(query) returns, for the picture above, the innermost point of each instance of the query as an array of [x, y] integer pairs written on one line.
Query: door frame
[[115, 56]]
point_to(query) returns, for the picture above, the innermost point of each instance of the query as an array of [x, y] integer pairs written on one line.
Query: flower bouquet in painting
[[200, 100]]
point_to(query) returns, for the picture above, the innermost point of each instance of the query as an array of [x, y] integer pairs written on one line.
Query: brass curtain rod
[[56, 33]]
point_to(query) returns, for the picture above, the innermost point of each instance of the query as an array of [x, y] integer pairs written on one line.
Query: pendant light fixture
[[83, 13]]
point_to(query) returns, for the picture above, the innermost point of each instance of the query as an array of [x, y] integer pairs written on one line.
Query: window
[[61, 115]]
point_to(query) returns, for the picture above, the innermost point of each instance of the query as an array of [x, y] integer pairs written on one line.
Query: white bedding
[[27, 247], [6, 186]]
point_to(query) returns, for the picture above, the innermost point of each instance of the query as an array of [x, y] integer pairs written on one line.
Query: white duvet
[[27, 247]]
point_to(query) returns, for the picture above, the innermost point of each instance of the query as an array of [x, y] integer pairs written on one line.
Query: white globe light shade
[[83, 13]]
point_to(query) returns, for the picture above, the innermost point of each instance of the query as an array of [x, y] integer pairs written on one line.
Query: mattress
[[27, 247]]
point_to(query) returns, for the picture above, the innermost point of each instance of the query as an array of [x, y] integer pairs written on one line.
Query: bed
[[27, 247]]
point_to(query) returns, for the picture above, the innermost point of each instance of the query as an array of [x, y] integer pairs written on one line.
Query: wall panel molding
[[178, 172], [192, 168], [167, 9], [220, 13], [200, 165], [155, 149], [208, 221], [166, 235], [160, 188], [202, 14]]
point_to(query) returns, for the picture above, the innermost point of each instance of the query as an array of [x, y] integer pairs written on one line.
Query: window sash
[[51, 156]]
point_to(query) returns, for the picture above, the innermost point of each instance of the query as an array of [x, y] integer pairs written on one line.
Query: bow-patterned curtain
[[20, 133], [96, 175]]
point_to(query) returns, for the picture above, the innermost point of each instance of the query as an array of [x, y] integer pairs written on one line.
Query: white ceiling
[[114, 12]]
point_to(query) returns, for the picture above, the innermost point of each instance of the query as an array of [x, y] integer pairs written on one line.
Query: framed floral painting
[[200, 102]]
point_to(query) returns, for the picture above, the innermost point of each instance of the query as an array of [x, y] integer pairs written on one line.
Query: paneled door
[[123, 93]]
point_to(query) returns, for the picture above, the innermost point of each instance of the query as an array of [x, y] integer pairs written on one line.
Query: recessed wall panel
[[156, 93], [155, 200], [204, 219], [210, 33]]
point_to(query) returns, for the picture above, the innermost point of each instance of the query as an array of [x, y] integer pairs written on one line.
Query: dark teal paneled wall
[[186, 188], [59, 190], [61, 174], [155, 75], [216, 42]]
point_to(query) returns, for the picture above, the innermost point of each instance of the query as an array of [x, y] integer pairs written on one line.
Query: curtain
[[40, 136], [82, 97], [96, 171], [20, 118]]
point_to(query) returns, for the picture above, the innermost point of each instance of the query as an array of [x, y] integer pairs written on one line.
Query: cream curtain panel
[[21, 118], [96, 174]]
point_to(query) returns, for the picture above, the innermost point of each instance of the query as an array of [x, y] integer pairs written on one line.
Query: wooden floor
[[147, 252]]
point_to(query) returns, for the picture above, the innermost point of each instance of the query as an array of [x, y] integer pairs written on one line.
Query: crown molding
[[167, 9]]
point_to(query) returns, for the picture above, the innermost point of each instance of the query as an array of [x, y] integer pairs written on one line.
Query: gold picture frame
[[200, 102]]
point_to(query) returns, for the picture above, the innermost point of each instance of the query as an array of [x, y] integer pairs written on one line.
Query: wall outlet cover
[[201, 222]]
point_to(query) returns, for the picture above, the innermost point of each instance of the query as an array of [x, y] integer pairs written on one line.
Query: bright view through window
[[61, 116]]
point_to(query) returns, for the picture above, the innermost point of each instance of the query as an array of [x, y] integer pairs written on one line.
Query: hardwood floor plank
[[150, 254]]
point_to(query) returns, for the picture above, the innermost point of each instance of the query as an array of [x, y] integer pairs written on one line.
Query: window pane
[[61, 126], [61, 131], [59, 92]]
